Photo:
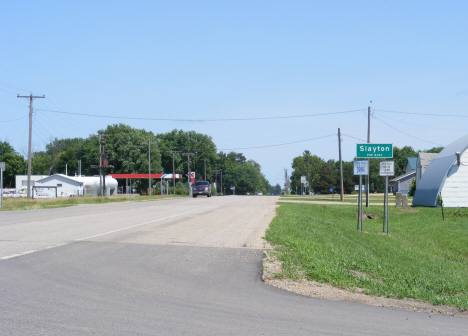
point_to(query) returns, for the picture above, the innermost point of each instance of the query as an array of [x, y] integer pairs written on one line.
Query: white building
[[21, 181], [68, 186]]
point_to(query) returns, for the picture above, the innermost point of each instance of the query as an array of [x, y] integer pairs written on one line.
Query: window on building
[[59, 185]]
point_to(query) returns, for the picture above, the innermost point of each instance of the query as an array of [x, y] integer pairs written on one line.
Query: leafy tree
[[6, 148], [434, 150], [188, 142], [127, 150], [349, 179], [310, 166], [245, 175], [399, 156], [15, 164]]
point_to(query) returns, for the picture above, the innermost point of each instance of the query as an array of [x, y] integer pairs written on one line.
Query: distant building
[[446, 175], [68, 186], [402, 182], [410, 164], [423, 161], [21, 181]]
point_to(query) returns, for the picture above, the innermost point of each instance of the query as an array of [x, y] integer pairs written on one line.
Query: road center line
[[108, 232]]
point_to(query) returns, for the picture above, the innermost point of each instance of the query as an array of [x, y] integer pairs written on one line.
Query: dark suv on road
[[201, 188]]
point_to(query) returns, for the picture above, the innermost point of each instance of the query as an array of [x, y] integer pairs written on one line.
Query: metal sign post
[[2, 168], [387, 168], [303, 180], [360, 168]]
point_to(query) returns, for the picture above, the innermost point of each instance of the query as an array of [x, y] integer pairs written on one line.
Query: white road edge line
[[106, 233]]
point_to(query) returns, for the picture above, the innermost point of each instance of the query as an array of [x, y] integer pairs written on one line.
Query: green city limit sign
[[374, 151]]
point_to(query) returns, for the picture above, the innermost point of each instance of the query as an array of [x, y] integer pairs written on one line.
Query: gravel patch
[[272, 266]]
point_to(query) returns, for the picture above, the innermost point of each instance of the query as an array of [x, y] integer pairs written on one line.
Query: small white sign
[[387, 168], [361, 167], [2, 166], [44, 192], [303, 179]]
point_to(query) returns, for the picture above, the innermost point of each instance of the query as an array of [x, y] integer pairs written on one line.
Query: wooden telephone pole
[[173, 167], [149, 164], [31, 97]]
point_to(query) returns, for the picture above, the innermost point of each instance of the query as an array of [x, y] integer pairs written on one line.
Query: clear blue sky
[[239, 59]]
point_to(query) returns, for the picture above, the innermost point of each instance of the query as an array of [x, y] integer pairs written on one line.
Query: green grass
[[12, 204], [424, 258]]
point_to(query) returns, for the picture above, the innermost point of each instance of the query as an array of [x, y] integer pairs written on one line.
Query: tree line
[[323, 175], [127, 150]]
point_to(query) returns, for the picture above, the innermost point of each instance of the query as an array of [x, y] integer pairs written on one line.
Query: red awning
[[143, 176]]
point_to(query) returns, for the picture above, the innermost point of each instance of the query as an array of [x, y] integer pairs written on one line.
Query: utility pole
[[204, 160], [149, 164], [31, 97], [368, 141], [341, 167], [173, 166], [222, 193], [215, 172], [103, 163], [188, 155]]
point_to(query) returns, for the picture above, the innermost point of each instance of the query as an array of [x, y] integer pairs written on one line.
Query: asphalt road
[[172, 267]]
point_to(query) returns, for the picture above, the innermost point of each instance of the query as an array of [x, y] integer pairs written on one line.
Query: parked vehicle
[[201, 188], [259, 193]]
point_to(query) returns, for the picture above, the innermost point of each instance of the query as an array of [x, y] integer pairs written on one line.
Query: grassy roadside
[[12, 204], [349, 198], [424, 258]]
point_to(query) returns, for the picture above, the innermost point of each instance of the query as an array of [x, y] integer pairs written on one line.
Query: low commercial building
[[70, 186]]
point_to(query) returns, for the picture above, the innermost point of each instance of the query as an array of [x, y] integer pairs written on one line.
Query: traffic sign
[[387, 168], [374, 151], [303, 179], [2, 166], [361, 167]]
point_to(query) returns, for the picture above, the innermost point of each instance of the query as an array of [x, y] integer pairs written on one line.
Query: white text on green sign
[[379, 151]]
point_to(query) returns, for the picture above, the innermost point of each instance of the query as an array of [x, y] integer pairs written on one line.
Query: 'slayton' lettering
[[374, 149]]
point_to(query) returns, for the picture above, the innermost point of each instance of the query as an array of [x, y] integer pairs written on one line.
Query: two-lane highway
[[171, 267]]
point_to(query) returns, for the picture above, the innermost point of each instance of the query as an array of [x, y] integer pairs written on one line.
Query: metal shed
[[447, 175]]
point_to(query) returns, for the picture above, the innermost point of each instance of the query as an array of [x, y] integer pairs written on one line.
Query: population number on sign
[[387, 168], [374, 151], [361, 167]]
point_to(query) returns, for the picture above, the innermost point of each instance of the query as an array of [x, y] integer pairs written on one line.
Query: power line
[[201, 120], [276, 145], [349, 136], [407, 133], [13, 87], [441, 128], [13, 119], [426, 114]]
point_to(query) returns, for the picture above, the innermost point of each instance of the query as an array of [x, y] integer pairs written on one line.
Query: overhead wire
[[441, 128], [425, 114], [281, 144], [13, 86], [407, 133], [349, 136], [202, 120]]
